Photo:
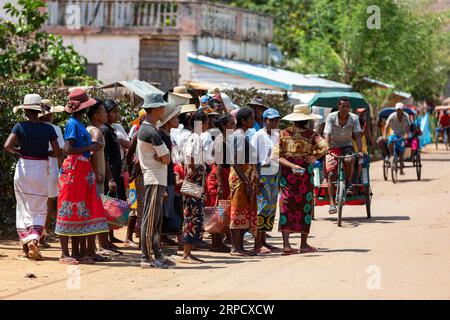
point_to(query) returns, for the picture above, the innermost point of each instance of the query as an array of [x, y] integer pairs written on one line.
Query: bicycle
[[445, 133], [394, 164], [342, 190]]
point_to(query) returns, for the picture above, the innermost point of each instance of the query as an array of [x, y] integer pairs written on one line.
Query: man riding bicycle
[[340, 127], [400, 125], [444, 123]]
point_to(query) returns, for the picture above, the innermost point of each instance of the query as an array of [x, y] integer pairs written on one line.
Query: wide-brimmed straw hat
[[48, 107], [31, 102], [169, 112], [78, 100], [188, 108], [302, 112], [182, 92]]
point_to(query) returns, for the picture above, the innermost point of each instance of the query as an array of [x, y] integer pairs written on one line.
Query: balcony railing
[[163, 16]]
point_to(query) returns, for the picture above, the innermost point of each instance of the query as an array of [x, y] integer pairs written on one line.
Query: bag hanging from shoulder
[[192, 189]]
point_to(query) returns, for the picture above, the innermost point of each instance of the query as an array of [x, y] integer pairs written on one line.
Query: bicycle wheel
[[340, 201], [385, 170], [394, 169], [418, 165], [368, 192], [437, 140]]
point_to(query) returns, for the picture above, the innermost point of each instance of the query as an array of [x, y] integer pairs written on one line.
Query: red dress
[[80, 208], [212, 186]]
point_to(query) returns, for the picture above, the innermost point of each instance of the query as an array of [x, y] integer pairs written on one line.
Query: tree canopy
[[27, 52], [331, 37]]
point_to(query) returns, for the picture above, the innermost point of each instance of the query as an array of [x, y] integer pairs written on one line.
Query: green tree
[[27, 52], [331, 37]]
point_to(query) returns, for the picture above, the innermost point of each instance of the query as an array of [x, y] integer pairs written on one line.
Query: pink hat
[[78, 100]]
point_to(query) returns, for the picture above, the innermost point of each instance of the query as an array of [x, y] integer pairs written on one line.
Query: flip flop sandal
[[309, 250], [333, 209], [251, 253], [86, 261], [290, 252], [99, 258], [264, 251], [189, 261], [34, 252], [238, 254], [69, 261]]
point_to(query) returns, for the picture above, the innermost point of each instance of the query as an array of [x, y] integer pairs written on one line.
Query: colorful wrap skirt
[[80, 208], [31, 191], [243, 205], [296, 199], [193, 212], [212, 186], [266, 200]]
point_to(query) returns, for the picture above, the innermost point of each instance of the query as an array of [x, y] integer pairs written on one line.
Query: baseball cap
[[271, 114], [205, 99], [399, 106]]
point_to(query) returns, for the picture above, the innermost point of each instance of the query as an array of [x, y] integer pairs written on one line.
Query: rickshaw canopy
[[330, 99], [441, 108], [386, 112]]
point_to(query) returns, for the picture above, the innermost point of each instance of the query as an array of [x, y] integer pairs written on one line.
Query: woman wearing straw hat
[[32, 170], [299, 147], [80, 208], [54, 163]]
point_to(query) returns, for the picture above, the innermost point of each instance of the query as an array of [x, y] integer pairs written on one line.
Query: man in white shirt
[[263, 142]]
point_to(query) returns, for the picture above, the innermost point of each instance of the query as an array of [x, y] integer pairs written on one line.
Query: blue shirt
[[76, 131], [250, 132]]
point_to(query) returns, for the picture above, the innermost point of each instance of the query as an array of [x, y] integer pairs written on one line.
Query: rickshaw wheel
[[368, 201], [418, 165], [340, 200], [394, 169], [385, 170]]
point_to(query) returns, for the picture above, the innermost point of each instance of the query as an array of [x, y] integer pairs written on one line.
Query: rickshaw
[[362, 192], [439, 132], [412, 148]]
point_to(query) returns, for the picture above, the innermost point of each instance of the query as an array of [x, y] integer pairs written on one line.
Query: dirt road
[[403, 252]]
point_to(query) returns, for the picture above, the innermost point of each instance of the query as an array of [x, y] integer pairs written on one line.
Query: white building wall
[[118, 56], [186, 46]]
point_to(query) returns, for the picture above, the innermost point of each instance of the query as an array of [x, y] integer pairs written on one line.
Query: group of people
[[178, 159]]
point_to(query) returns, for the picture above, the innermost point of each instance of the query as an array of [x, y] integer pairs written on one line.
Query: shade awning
[[267, 76], [138, 87]]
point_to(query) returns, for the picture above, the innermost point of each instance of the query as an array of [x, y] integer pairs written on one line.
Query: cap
[[271, 114]]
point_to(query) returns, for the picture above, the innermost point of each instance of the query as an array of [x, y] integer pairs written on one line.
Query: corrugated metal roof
[[138, 87], [401, 94], [270, 76]]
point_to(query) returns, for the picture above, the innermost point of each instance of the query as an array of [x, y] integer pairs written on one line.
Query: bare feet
[[34, 252], [191, 260]]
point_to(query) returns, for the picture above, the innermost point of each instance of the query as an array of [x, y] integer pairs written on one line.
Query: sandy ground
[[401, 253]]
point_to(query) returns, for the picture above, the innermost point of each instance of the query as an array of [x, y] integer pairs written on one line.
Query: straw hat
[[302, 112], [48, 107], [182, 92], [78, 100], [188, 108], [31, 102], [170, 111]]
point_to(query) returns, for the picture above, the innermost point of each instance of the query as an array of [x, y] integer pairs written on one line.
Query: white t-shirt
[[263, 143], [150, 144], [121, 134], [53, 162], [178, 137], [193, 149]]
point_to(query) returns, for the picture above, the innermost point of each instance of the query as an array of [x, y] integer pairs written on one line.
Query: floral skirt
[[267, 202], [243, 205], [80, 208], [296, 199], [193, 213]]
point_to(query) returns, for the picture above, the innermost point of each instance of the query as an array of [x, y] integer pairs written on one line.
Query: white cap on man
[[399, 106]]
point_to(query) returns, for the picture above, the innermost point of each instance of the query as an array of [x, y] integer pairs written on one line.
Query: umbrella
[[330, 99]]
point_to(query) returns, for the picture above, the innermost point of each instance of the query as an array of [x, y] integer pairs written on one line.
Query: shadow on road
[[344, 250]]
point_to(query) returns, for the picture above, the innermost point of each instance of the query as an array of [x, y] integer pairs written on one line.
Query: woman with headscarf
[[298, 149], [80, 209], [32, 173]]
